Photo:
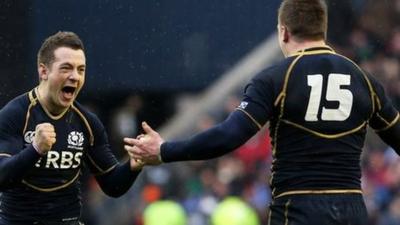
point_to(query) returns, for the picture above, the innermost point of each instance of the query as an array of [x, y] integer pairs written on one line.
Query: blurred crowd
[[372, 41]]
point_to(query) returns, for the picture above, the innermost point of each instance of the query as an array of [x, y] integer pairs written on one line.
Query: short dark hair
[[304, 19], [57, 40]]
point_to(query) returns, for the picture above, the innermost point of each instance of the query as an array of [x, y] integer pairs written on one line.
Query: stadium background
[[148, 59]]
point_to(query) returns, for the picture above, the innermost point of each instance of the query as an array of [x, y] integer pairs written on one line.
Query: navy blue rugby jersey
[[319, 104], [51, 188]]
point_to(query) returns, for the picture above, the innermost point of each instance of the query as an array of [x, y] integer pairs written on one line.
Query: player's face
[[65, 78]]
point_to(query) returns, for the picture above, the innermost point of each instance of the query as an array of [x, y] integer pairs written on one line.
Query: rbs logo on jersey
[[61, 159]]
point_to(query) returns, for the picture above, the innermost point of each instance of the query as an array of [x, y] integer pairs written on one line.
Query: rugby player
[[46, 137]]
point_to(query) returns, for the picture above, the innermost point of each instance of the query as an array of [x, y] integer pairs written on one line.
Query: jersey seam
[[101, 171], [327, 136], [53, 188], [251, 118], [106, 171], [85, 121], [326, 191], [388, 125], [372, 91]]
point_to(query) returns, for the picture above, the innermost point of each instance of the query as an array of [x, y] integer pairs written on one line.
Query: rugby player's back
[[322, 104]]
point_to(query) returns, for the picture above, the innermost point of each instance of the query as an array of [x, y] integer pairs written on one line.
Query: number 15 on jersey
[[334, 92]]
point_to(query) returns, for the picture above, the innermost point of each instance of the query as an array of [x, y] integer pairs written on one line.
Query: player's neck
[[44, 99], [294, 47]]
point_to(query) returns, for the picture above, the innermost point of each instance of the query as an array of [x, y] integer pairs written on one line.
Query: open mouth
[[68, 91]]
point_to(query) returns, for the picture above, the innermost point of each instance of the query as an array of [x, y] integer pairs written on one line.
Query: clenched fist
[[45, 137]]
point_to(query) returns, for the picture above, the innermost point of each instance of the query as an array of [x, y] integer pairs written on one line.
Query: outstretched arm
[[253, 112], [214, 142], [114, 178], [386, 119], [118, 181], [391, 136]]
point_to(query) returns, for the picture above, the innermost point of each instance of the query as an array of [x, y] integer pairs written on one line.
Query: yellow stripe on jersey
[[320, 192], [314, 52], [287, 75], [287, 212], [33, 101], [53, 188], [370, 88], [101, 171], [328, 136], [59, 116], [91, 138], [389, 125], [281, 99], [252, 119]]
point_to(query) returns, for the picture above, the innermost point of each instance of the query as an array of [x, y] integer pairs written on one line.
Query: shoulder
[[273, 76], [374, 84], [93, 124], [268, 83], [13, 114], [17, 104], [274, 72], [16, 107], [87, 115]]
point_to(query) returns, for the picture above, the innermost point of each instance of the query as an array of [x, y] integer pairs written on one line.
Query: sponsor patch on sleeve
[[243, 105]]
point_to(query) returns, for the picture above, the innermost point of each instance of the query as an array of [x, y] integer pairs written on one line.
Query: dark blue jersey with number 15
[[49, 189], [319, 104]]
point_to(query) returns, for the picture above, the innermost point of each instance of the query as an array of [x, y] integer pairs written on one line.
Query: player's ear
[[43, 71], [285, 36]]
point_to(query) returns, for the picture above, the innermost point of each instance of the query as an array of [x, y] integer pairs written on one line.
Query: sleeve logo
[[28, 137], [243, 105]]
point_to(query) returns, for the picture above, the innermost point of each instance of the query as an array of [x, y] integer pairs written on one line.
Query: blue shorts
[[317, 209]]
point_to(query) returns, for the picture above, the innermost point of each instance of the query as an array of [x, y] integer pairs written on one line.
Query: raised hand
[[45, 137], [146, 147]]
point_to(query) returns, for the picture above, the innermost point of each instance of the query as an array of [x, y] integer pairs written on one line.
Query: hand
[[145, 147], [45, 137], [136, 164]]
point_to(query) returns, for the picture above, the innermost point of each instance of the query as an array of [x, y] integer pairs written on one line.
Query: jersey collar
[[315, 50], [57, 117]]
